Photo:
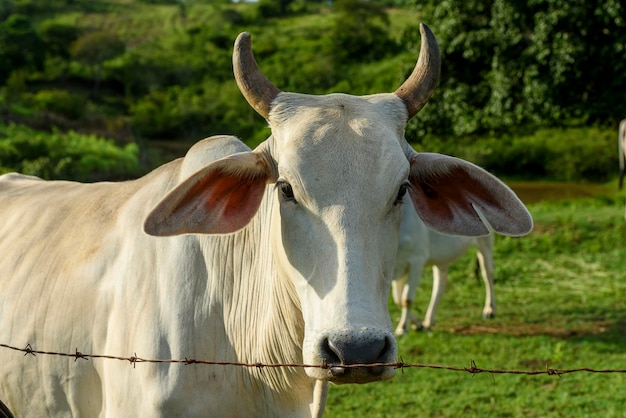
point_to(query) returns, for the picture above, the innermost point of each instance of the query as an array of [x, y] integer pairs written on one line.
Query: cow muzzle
[[350, 356]]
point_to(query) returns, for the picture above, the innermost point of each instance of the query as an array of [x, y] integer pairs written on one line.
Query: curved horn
[[255, 87], [420, 85]]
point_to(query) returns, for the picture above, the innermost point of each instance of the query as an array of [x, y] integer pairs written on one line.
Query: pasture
[[561, 303]]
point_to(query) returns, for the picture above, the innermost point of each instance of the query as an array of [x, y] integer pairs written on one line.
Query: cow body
[[275, 255], [420, 246], [106, 287]]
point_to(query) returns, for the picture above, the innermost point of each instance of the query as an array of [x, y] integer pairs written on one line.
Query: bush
[[58, 37], [163, 114], [573, 154], [70, 156], [360, 32], [62, 102], [20, 46]]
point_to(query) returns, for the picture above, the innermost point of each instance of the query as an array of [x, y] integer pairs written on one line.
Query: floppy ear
[[219, 199], [456, 197]]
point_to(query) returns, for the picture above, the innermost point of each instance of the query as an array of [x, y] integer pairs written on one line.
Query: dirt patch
[[537, 191], [587, 328]]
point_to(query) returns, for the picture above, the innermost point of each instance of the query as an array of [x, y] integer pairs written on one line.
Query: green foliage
[[578, 154], [360, 32], [509, 67], [165, 112], [508, 63], [68, 155], [20, 46], [94, 48], [61, 102], [569, 42], [6, 9], [58, 37], [273, 8]]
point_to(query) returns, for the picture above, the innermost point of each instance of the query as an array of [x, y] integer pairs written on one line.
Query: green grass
[[561, 303]]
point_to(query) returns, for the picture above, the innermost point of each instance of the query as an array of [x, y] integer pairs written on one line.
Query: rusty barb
[[473, 369]]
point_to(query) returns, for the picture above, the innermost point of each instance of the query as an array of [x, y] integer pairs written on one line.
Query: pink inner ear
[[458, 198], [221, 202], [219, 199], [233, 201], [444, 202]]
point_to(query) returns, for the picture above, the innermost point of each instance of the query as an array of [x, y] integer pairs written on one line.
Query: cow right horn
[[420, 85], [255, 87]]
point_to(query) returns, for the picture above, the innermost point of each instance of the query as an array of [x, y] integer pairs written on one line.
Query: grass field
[[561, 303]]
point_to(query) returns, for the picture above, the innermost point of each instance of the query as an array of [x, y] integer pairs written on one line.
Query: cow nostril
[[338, 371], [331, 355], [333, 358], [351, 356], [381, 358], [355, 351]]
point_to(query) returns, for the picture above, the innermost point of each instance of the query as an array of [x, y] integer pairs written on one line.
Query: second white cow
[[420, 246]]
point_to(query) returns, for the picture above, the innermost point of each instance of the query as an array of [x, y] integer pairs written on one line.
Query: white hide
[[277, 255], [420, 246]]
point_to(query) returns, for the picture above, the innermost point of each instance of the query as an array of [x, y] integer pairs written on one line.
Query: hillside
[[154, 74], [164, 72]]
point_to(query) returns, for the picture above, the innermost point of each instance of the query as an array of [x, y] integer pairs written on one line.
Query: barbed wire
[[472, 369]]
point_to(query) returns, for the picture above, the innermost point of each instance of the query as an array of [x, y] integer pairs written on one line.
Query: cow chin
[[342, 375], [351, 356]]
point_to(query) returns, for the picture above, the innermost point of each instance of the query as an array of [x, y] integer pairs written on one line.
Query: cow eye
[[401, 193], [286, 191]]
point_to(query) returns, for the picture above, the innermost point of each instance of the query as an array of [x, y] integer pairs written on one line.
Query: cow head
[[339, 166]]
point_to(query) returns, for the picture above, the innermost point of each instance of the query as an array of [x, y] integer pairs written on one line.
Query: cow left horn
[[420, 85], [255, 87]]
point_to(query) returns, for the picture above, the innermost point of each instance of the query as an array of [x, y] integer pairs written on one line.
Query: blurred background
[[529, 89]]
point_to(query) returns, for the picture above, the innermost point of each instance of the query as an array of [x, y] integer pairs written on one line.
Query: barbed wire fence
[[473, 369]]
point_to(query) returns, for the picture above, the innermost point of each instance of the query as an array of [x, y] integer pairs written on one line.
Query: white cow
[[420, 246], [621, 147], [276, 255]]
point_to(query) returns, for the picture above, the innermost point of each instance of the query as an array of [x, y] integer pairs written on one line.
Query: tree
[[94, 48], [58, 37], [20, 46], [6, 9], [273, 8], [360, 32], [508, 63]]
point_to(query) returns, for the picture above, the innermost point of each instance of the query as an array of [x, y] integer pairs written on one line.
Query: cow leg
[[485, 260], [404, 302], [397, 288], [408, 320], [398, 285], [405, 295], [440, 279], [320, 393]]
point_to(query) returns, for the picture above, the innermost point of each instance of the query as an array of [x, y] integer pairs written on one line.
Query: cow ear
[[458, 198], [220, 198]]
